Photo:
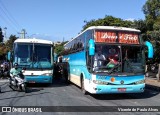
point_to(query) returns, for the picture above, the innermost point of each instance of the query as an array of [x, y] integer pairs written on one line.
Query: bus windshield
[[33, 56], [118, 58], [133, 59]]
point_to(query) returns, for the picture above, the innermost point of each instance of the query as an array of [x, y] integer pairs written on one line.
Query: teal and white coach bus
[[36, 57], [120, 67]]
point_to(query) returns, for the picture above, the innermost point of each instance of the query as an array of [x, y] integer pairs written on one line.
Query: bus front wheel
[[82, 86]]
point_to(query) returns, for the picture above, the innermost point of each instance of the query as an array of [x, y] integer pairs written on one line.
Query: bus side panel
[[77, 63]]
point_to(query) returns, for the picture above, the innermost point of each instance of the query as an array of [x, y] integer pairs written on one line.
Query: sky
[[56, 20]]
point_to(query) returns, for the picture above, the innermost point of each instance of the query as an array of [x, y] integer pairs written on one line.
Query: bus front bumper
[[38, 79], [109, 89]]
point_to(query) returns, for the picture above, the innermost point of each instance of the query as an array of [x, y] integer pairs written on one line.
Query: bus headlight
[[140, 82], [100, 82]]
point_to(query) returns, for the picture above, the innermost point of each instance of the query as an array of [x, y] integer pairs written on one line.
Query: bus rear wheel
[[66, 77]]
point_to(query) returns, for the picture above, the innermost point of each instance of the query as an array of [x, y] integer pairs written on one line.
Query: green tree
[[141, 25], [3, 50], [59, 48], [10, 42], [7, 46], [108, 21], [151, 10]]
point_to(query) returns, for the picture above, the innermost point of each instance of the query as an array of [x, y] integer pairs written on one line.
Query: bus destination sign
[[117, 37]]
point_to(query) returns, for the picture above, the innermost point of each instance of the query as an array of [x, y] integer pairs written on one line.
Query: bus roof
[[107, 28], [34, 40], [113, 28]]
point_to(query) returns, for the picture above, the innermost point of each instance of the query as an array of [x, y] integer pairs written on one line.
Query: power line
[[8, 22], [9, 15], [7, 19]]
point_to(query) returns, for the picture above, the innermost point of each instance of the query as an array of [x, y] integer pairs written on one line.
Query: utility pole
[[63, 40], [23, 33], [1, 35], [5, 35]]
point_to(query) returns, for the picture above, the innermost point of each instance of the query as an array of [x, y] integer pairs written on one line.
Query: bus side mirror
[[150, 49], [9, 56], [91, 47], [55, 57]]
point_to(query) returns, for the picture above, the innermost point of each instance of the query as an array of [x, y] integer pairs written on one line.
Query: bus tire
[[66, 76], [82, 85]]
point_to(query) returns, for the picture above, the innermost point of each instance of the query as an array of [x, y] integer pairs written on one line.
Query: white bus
[[36, 56]]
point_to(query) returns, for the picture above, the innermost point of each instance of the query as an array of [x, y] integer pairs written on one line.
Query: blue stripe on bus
[[101, 89], [127, 79]]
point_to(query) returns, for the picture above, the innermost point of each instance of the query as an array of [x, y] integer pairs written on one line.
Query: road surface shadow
[[144, 95], [29, 90], [23, 95], [59, 82]]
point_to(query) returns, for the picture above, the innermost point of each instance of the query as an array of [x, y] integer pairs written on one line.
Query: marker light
[[112, 79]]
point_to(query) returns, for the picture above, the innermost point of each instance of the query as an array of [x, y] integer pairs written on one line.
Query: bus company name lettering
[[126, 37]]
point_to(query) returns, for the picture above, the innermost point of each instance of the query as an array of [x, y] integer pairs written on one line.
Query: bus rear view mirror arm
[[91, 47], [150, 49]]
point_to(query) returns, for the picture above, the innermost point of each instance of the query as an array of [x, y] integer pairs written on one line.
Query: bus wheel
[[82, 86], [66, 77]]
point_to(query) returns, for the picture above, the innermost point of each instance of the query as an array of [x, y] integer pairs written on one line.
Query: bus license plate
[[121, 89]]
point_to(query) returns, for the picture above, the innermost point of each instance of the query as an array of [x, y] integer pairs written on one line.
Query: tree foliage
[[10, 42], [108, 21], [151, 10], [3, 50], [7, 46], [59, 48]]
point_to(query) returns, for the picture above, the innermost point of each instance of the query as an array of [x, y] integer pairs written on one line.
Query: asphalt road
[[60, 94]]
